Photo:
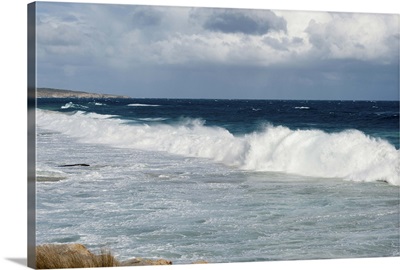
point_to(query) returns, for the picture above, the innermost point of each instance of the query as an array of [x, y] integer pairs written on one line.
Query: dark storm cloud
[[232, 21], [331, 79], [145, 16], [276, 44]]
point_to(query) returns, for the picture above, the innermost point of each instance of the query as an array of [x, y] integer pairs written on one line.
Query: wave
[[143, 105], [47, 174], [350, 154], [302, 108], [73, 105], [99, 104], [153, 119], [95, 115]]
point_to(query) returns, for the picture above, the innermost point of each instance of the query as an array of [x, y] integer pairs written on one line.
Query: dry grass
[[63, 256]]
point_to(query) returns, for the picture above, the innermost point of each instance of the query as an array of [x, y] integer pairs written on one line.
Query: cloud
[[53, 32], [283, 44], [143, 16], [65, 35], [154, 47], [369, 37], [244, 21], [123, 36]]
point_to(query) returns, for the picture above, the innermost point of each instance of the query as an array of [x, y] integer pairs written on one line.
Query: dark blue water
[[379, 119]]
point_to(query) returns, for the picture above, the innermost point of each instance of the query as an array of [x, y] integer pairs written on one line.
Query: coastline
[[61, 93], [75, 255]]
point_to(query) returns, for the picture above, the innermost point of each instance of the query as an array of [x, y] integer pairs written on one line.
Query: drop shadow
[[20, 261]]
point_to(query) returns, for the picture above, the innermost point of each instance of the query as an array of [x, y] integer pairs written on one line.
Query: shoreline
[[76, 255]]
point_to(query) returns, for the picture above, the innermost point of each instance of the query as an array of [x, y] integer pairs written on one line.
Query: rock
[[200, 262], [141, 262]]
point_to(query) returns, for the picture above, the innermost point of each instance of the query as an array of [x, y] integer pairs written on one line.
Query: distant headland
[[60, 93]]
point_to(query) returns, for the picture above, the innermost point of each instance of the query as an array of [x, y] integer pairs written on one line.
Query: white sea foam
[[142, 105], [350, 154], [153, 119], [73, 105], [98, 116], [97, 103], [46, 171], [302, 108]]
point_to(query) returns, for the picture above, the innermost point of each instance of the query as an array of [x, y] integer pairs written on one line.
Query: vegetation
[[56, 256], [63, 256]]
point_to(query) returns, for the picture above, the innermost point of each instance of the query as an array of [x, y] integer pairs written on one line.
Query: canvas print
[[180, 135]]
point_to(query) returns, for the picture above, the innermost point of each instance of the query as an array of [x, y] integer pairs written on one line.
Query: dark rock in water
[[72, 165]]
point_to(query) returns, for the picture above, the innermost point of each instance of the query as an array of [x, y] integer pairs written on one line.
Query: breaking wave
[[73, 105], [350, 154]]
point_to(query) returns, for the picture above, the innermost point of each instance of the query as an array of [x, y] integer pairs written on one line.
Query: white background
[[13, 140]]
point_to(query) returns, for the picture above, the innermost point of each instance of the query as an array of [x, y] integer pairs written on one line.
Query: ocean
[[219, 180]]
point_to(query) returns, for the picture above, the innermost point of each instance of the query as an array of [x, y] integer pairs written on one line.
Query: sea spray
[[349, 154]]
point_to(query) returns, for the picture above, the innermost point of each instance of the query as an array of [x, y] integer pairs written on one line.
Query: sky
[[194, 52]]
